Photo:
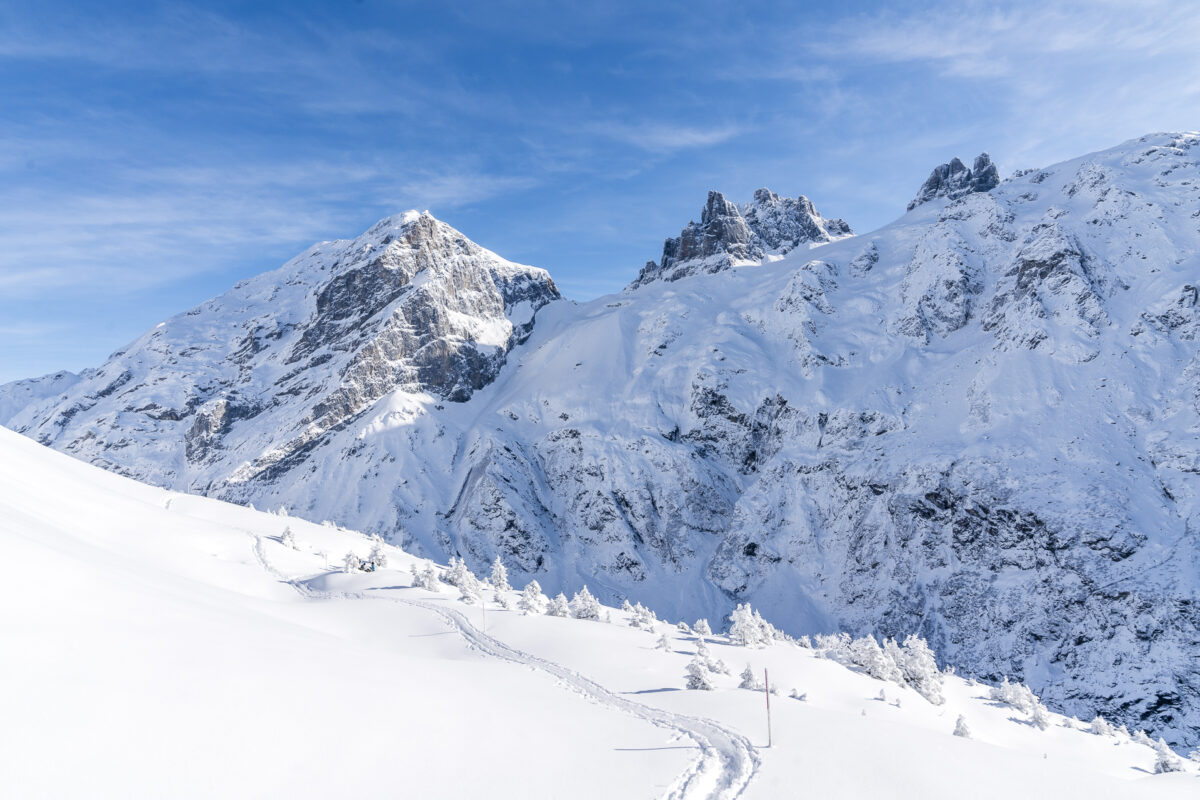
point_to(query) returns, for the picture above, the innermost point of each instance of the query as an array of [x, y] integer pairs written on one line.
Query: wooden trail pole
[[767, 693]]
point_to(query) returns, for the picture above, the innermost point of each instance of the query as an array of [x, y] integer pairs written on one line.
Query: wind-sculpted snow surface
[[978, 424]]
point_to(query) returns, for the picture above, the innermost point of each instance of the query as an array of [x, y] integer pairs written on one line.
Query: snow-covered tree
[[584, 605], [351, 563], [1039, 717], [500, 576], [682, 627], [748, 629], [377, 557], [750, 680], [697, 675], [867, 653], [882, 696], [456, 572], [1101, 727], [920, 669], [1165, 759], [798, 695], [663, 643], [1141, 738], [469, 588], [558, 606], [625, 606], [961, 729], [702, 628], [288, 539], [532, 600], [642, 617], [426, 579], [1016, 695]]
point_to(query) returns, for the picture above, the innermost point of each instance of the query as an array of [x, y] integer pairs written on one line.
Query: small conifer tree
[[584, 605], [961, 729], [377, 557], [500, 576], [750, 680], [697, 675], [1165, 759], [559, 607], [532, 600]]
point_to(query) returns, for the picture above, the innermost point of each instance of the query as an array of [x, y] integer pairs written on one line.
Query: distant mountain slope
[[979, 423]]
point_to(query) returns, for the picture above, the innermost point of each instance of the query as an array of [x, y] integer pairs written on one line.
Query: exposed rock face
[[978, 423], [730, 235], [954, 180]]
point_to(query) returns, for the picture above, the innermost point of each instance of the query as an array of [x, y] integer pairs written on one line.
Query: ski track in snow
[[728, 760]]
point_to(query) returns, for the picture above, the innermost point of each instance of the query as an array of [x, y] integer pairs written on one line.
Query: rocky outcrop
[[730, 235], [954, 180]]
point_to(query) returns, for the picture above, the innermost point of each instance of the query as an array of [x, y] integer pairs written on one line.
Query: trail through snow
[[728, 760]]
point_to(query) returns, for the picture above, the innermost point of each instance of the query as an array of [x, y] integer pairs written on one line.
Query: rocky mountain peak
[[411, 305], [717, 208], [731, 235], [953, 180]]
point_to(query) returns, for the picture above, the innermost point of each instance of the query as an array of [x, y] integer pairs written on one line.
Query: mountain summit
[[277, 363], [954, 180], [731, 235]]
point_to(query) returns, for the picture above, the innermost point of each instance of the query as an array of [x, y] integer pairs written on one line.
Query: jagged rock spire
[[728, 234], [954, 180]]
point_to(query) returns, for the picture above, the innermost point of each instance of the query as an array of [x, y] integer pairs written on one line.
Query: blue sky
[[152, 154]]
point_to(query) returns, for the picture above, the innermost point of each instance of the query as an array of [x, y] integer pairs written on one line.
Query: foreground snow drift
[[160, 644]]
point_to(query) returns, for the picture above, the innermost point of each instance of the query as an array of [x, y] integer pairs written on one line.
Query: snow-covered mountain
[[979, 423], [172, 645], [281, 361]]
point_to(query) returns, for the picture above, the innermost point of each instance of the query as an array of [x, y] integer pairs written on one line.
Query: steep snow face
[[954, 180], [248, 383], [730, 235], [978, 423]]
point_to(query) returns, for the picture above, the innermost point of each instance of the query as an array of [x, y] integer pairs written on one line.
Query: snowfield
[[159, 644]]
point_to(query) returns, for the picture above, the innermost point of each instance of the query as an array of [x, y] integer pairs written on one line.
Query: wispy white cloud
[[660, 137]]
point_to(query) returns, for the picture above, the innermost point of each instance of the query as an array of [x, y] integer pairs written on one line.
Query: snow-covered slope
[[160, 644], [978, 423]]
